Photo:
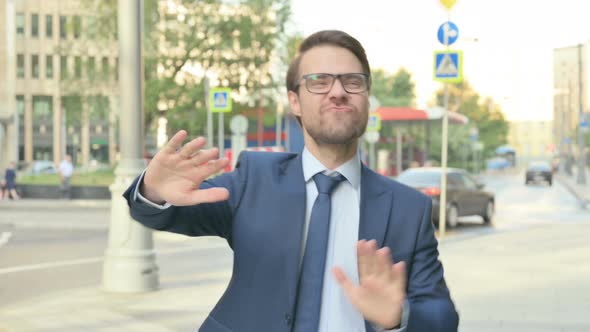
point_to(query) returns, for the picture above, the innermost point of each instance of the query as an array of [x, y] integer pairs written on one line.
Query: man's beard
[[337, 136]]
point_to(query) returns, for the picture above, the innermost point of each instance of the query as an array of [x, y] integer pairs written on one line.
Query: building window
[[34, 25], [20, 66], [116, 69], [91, 27], [48, 26], [78, 67], [63, 67], [49, 66], [91, 67], [20, 111], [105, 68], [63, 22], [34, 66], [42, 108], [77, 26], [20, 24]]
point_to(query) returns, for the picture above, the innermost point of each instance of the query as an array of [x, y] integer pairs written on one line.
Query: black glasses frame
[[334, 78]]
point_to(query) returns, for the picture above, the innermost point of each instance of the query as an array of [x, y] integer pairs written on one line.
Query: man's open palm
[[381, 291], [176, 172]]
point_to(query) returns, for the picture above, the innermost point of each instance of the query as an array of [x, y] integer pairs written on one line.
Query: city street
[[526, 272]]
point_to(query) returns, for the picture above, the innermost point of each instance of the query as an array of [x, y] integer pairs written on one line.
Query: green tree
[[233, 42], [483, 114], [393, 90]]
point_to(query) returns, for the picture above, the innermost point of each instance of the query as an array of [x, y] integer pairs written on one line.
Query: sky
[[507, 44]]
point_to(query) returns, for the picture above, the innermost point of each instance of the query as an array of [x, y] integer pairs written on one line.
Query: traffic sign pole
[[209, 114], [446, 29], [220, 134]]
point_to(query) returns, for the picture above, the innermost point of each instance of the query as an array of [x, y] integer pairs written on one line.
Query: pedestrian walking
[[10, 182], [66, 170]]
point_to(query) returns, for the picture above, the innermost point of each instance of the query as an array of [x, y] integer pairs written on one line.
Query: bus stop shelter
[[407, 122]]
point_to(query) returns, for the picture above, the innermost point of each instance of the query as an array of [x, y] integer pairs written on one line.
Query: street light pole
[[129, 263], [581, 178]]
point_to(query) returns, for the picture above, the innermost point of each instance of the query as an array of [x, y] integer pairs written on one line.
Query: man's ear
[[294, 103]]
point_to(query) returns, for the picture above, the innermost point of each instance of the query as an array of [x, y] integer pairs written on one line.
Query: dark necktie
[[309, 300]]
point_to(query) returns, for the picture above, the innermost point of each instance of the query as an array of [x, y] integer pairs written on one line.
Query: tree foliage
[[393, 90], [483, 113], [231, 42]]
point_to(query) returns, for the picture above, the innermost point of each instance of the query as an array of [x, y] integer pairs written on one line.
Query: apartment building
[[571, 93], [58, 83], [532, 140]]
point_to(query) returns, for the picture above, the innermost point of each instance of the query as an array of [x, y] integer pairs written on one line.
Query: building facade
[[58, 77], [532, 140], [571, 93]]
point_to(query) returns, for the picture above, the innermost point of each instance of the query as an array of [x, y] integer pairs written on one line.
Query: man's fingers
[[383, 262], [399, 272], [371, 256], [211, 167], [210, 195], [191, 148], [343, 280], [176, 141], [203, 156], [362, 257]]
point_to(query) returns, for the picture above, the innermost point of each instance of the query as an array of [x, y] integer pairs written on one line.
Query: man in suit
[[321, 242]]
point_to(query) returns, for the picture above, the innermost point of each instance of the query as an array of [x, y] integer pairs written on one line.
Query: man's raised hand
[[176, 172]]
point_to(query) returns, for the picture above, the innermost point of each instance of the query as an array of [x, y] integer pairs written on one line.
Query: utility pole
[[130, 260], [581, 178]]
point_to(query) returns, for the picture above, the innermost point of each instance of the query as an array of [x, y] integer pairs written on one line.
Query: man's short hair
[[326, 37]]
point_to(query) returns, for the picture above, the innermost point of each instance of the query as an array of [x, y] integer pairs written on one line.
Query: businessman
[[320, 242]]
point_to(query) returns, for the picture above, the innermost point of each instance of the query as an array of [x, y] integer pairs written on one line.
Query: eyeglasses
[[321, 83]]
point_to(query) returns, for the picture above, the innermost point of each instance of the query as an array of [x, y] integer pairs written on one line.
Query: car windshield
[[539, 166], [420, 178]]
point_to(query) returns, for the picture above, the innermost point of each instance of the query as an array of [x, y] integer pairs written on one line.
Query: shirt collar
[[351, 169]]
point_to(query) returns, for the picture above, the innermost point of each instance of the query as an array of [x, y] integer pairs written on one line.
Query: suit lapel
[[376, 204], [292, 184]]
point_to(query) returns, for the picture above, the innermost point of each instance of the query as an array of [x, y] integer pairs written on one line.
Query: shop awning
[[412, 114]]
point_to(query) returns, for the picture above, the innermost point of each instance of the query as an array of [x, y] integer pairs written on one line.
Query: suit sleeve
[[431, 306], [197, 220]]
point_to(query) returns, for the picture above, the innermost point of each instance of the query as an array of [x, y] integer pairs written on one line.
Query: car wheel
[[488, 213], [452, 216]]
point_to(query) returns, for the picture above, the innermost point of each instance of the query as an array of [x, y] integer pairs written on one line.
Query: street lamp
[[161, 134]]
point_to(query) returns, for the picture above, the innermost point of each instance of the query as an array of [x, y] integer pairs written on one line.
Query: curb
[[584, 202], [24, 204]]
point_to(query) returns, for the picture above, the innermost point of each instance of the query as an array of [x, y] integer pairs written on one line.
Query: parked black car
[[465, 195], [539, 171]]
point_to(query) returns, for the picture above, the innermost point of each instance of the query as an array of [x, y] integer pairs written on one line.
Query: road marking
[[4, 237], [90, 260]]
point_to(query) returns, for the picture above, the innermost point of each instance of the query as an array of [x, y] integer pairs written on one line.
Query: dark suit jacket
[[263, 223]]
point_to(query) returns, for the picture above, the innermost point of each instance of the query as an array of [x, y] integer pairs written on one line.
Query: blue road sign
[[220, 100], [448, 66], [374, 123], [585, 121], [448, 33]]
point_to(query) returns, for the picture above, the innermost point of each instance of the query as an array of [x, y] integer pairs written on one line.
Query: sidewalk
[[27, 203], [582, 192], [528, 281]]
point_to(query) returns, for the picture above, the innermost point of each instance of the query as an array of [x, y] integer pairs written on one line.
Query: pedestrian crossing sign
[[374, 123], [448, 66], [220, 100]]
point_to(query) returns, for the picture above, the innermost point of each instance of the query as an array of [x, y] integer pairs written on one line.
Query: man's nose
[[337, 89]]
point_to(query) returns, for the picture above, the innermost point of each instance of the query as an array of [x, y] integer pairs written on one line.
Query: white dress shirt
[[337, 313]]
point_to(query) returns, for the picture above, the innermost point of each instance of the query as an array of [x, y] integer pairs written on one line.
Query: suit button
[[288, 319]]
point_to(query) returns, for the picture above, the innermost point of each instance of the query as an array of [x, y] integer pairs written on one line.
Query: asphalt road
[[44, 250]]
